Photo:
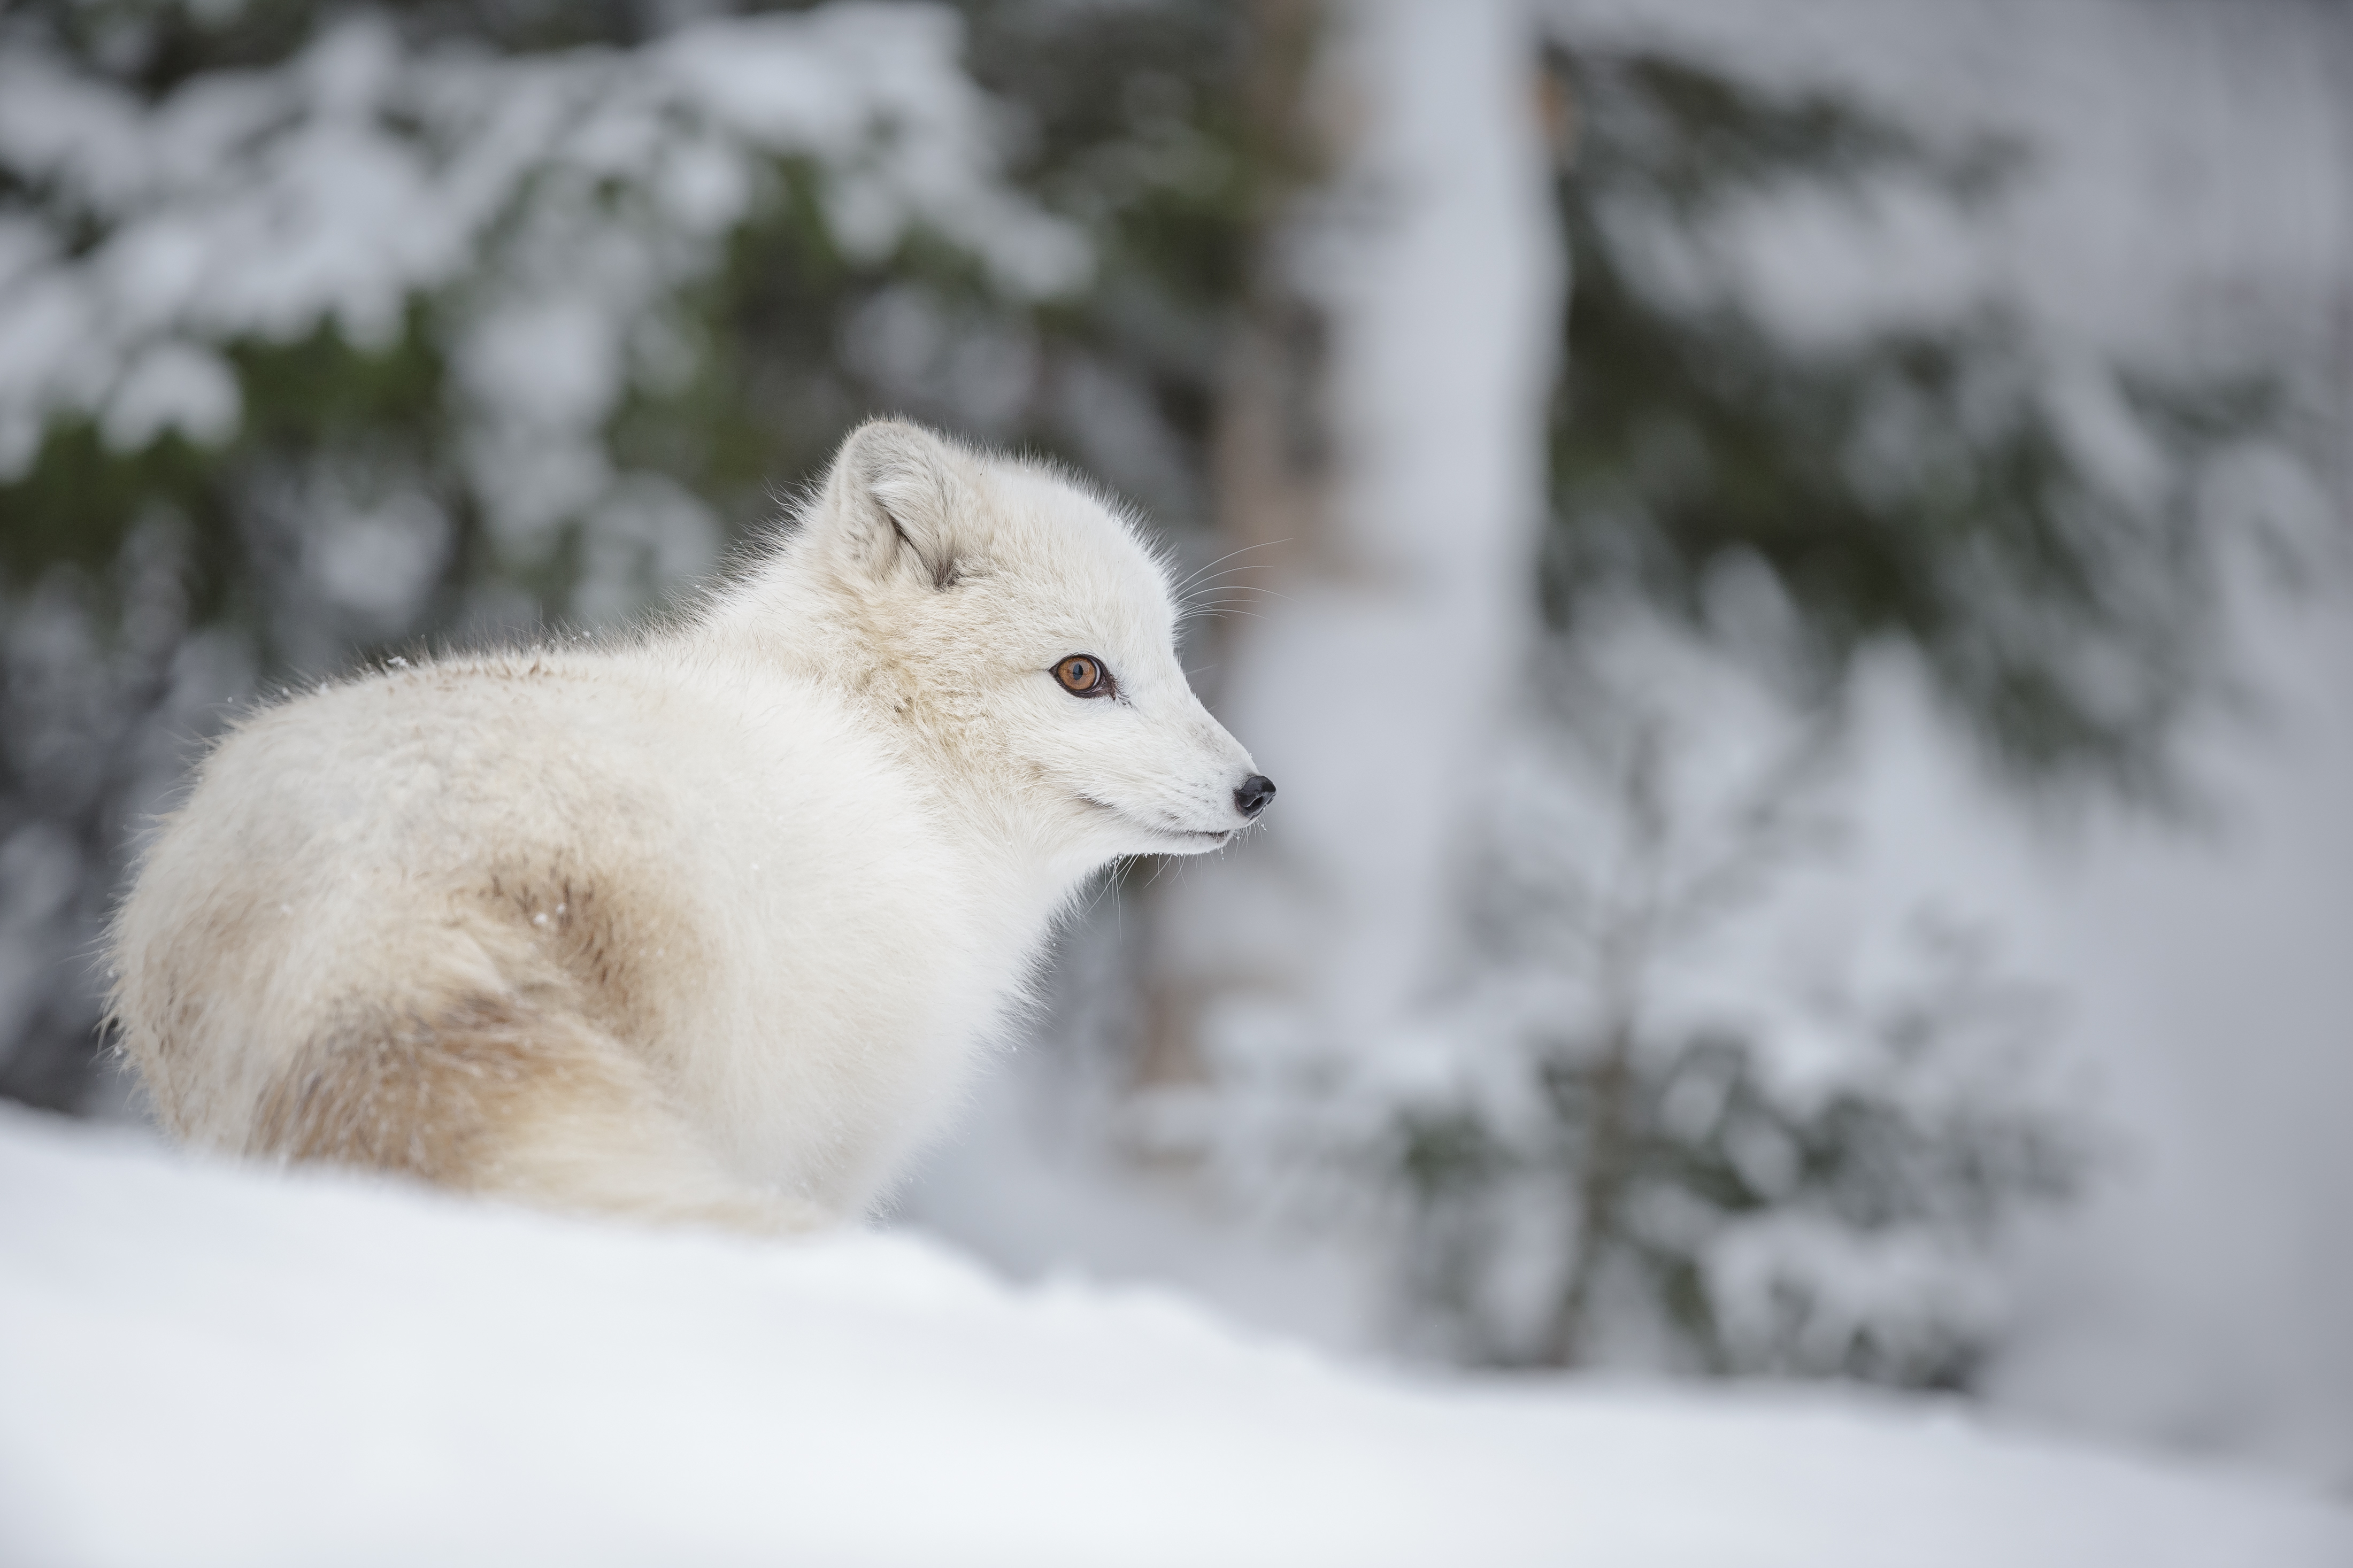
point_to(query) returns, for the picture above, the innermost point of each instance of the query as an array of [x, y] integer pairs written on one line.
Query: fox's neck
[[780, 622], [1023, 874]]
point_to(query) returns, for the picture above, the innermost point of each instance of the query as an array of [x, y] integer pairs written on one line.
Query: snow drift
[[205, 1364]]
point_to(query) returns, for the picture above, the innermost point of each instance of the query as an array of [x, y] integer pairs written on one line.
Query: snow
[[207, 1364]]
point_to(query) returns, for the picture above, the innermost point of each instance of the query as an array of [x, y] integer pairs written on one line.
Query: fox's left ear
[[894, 499]]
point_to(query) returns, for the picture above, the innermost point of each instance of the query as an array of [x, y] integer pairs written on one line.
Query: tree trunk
[[1381, 453]]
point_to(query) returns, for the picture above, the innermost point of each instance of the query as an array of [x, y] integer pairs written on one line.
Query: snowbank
[[211, 1365]]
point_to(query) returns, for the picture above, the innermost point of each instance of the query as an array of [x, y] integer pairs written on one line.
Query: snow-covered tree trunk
[[1392, 512]]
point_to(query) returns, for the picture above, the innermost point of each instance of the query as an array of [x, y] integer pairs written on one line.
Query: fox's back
[[692, 854]]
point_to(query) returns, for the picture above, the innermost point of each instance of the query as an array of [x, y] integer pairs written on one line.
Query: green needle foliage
[[1910, 485]]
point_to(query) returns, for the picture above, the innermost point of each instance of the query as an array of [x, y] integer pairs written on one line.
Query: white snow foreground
[[204, 1364]]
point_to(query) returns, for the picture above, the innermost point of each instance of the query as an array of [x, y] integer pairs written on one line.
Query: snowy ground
[[208, 1365]]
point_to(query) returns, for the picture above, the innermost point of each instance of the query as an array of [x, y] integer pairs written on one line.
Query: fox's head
[[1016, 626]]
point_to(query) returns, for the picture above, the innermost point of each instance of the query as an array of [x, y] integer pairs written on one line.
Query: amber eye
[[1082, 675]]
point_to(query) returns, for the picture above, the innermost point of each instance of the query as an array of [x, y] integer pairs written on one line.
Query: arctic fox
[[707, 925]]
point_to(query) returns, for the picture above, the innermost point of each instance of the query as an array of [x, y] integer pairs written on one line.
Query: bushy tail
[[501, 1095]]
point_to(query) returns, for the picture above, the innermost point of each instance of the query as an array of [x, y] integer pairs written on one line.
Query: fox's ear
[[893, 500]]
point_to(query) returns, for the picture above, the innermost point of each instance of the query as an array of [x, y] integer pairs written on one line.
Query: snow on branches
[[554, 204]]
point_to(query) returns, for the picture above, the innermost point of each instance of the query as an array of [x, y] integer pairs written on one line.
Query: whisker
[[1240, 589], [1197, 580], [1203, 571], [1223, 604], [1228, 555], [1221, 587]]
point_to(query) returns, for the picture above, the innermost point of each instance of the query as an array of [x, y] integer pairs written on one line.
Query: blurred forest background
[[1699, 510]]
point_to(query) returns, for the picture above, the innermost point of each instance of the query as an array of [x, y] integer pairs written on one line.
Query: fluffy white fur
[[705, 925]]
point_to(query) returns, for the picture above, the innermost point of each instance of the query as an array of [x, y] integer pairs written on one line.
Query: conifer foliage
[[2028, 513]]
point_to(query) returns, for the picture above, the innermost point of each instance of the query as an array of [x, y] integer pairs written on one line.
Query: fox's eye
[[1082, 675]]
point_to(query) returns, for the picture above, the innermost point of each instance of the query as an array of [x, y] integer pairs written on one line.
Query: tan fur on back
[[705, 925]]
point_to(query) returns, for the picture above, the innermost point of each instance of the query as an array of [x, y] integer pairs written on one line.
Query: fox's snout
[[1252, 793]]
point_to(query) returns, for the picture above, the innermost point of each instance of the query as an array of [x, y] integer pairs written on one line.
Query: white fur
[[706, 924]]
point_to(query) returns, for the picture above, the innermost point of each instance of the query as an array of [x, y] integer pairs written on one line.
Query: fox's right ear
[[893, 500]]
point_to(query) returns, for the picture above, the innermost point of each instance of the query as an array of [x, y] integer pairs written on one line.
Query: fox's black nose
[[1255, 792]]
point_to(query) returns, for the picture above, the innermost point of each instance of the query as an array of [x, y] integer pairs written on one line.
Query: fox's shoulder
[[514, 694]]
